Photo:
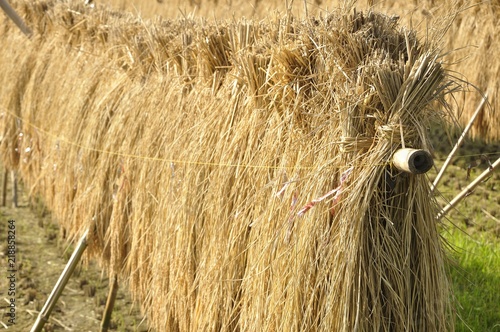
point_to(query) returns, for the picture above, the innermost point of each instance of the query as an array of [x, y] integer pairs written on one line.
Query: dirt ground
[[40, 257]]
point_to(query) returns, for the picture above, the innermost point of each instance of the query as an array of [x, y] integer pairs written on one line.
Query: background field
[[473, 232]]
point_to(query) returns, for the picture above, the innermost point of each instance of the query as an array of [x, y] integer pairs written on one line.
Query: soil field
[[40, 257]]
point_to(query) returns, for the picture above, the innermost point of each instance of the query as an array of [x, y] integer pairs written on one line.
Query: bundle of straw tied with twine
[[239, 175]]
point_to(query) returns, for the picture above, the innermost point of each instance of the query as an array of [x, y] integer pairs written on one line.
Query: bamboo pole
[[4, 192], [14, 188], [468, 190], [110, 303], [459, 142], [44, 314], [412, 160], [11, 13]]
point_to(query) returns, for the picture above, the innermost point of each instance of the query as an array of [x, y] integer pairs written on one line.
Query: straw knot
[[355, 144], [397, 133], [390, 132]]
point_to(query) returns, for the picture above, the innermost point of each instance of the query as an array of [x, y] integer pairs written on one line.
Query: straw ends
[[413, 161]]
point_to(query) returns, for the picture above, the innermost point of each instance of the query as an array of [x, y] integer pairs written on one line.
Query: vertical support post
[[14, 188], [4, 192], [44, 315], [110, 304]]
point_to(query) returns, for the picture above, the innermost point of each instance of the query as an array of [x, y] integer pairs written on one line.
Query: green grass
[[475, 280], [473, 231]]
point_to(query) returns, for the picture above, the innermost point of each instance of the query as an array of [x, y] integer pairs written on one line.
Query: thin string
[[185, 162]]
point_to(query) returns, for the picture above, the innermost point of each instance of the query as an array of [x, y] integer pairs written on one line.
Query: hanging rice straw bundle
[[474, 33], [239, 175], [469, 32]]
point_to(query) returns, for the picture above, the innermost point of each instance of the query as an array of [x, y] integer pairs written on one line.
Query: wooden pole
[[110, 303], [11, 13], [44, 314], [412, 160], [4, 192], [14, 188], [459, 143], [468, 190]]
